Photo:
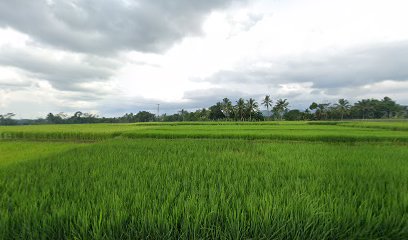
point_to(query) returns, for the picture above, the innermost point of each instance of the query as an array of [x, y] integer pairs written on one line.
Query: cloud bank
[[116, 56], [105, 27]]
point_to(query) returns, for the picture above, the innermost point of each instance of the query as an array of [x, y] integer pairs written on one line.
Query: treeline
[[241, 110], [79, 117], [249, 110], [385, 108]]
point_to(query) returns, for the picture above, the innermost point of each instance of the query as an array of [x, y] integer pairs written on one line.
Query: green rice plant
[[17, 151], [299, 131], [208, 189], [390, 125]]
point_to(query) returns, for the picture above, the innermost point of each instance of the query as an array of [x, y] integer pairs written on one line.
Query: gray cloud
[[212, 94], [104, 27], [192, 100], [355, 67], [121, 105], [13, 84], [207, 97], [351, 68], [63, 74], [354, 73]]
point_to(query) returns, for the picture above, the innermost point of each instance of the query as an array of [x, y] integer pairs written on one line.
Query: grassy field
[[302, 131], [337, 180]]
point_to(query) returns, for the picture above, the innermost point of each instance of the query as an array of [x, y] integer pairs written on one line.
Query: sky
[[111, 57]]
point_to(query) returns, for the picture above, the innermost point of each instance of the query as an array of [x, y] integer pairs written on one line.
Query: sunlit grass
[[17, 151], [337, 180], [307, 131], [160, 189]]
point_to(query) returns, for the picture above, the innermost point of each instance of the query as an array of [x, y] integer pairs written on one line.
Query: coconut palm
[[281, 106], [182, 113], [364, 106], [240, 108], [252, 107], [267, 102], [343, 106], [322, 110], [227, 107]]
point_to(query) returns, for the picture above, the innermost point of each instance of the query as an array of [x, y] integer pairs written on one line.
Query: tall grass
[[12, 152], [208, 189], [319, 131]]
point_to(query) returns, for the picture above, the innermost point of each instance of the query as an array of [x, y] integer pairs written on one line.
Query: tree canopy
[[242, 110]]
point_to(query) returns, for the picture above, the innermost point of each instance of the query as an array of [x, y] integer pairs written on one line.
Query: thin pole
[[158, 112]]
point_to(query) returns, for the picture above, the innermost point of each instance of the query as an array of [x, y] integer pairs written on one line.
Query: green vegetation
[[17, 151], [242, 110], [302, 131], [338, 180]]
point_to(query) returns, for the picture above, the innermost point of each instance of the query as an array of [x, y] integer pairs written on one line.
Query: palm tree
[[252, 107], [183, 113], [226, 107], [343, 106], [281, 106], [322, 109], [240, 107], [202, 114], [364, 106], [267, 102]]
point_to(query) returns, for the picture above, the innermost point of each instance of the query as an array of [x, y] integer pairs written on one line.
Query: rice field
[[275, 180], [301, 131]]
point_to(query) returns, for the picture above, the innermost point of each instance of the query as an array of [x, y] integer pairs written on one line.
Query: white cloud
[[76, 58]]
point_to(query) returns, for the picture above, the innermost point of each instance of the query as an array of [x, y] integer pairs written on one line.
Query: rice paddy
[[271, 180]]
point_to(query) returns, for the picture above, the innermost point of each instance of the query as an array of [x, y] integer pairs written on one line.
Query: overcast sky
[[115, 56]]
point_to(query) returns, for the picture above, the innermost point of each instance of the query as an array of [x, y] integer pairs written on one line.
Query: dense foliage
[[243, 110], [6, 119]]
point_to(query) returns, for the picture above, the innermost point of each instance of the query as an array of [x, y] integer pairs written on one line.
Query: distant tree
[[307, 115], [78, 114], [216, 112], [172, 118], [62, 115], [252, 107], [243, 110], [227, 108], [267, 102], [293, 115], [50, 118], [128, 118], [313, 106], [404, 112], [321, 110], [390, 107], [365, 108], [89, 118], [202, 114], [280, 108], [7, 119], [183, 114], [343, 107], [55, 119], [240, 108], [144, 116]]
